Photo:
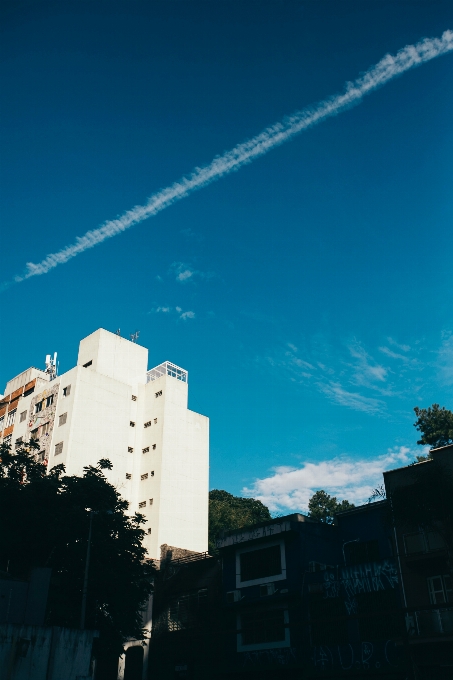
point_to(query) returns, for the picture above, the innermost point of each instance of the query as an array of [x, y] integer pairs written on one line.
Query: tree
[[45, 523], [323, 507], [436, 425], [232, 512]]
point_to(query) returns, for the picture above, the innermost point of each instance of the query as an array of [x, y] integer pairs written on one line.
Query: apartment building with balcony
[[111, 406], [420, 498]]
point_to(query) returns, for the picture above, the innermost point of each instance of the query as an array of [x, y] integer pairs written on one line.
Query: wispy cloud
[[185, 272], [366, 370], [393, 355], [385, 70], [348, 375], [403, 348], [358, 402], [445, 359], [173, 310], [289, 488], [187, 315]]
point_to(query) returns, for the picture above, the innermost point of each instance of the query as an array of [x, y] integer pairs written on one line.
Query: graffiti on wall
[[365, 656], [269, 657], [360, 578]]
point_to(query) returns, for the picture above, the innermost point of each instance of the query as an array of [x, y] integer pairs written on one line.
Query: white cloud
[[177, 310], [353, 400], [386, 69], [366, 370], [445, 359], [403, 348], [289, 489], [187, 315], [184, 272], [393, 355]]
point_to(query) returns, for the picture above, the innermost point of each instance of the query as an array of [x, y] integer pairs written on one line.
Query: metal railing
[[167, 368], [430, 622]]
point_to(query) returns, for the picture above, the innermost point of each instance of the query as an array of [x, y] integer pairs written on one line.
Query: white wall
[[114, 357]]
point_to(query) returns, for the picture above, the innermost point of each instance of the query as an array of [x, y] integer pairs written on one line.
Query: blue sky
[[308, 294]]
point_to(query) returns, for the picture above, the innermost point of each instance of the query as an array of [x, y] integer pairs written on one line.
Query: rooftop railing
[[167, 368]]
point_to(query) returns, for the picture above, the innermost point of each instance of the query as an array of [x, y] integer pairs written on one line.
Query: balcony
[[430, 623], [167, 368]]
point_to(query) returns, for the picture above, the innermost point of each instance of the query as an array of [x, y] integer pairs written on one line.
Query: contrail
[[385, 70]]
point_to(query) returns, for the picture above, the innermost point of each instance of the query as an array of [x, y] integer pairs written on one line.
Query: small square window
[[134, 398], [38, 406], [62, 419], [152, 473], [66, 391], [145, 476], [130, 449], [88, 363], [23, 416], [49, 400], [11, 417], [131, 423], [142, 504], [145, 450], [154, 446], [151, 501], [35, 433], [155, 421], [18, 442], [58, 448], [149, 530], [128, 475]]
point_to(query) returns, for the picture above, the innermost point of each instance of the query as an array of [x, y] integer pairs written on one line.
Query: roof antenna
[[134, 336], [51, 366], [118, 332]]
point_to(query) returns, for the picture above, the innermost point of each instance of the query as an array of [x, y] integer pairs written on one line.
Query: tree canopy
[[45, 524], [323, 507], [436, 426], [232, 512]]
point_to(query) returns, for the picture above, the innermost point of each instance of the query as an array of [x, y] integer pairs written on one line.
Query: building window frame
[[276, 644], [262, 579]]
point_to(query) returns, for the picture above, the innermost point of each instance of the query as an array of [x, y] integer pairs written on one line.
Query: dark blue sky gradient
[[333, 243]]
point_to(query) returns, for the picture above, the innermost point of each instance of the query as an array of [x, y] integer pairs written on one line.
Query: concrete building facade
[[111, 406]]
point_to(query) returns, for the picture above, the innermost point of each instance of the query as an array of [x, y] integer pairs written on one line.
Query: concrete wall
[[181, 467], [114, 357], [38, 653]]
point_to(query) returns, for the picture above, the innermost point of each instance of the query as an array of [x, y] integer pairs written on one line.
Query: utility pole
[[85, 578]]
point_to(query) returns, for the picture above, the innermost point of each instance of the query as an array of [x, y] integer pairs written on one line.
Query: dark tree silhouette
[[436, 426], [232, 512], [323, 507], [45, 523]]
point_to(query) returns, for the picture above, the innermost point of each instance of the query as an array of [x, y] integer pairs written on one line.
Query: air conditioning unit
[[267, 589], [233, 596]]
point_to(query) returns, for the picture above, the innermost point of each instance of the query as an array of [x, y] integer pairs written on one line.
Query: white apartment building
[[111, 406]]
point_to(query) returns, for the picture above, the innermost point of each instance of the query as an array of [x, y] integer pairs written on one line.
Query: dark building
[[421, 498], [289, 598], [307, 599], [187, 619]]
